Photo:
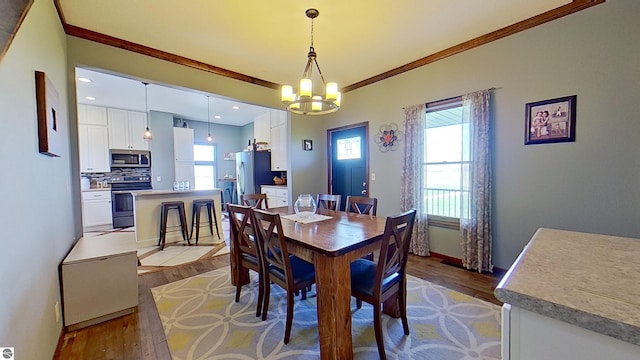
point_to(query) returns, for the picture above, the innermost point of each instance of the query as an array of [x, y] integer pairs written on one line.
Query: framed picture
[[550, 121], [228, 156], [49, 122], [307, 145]]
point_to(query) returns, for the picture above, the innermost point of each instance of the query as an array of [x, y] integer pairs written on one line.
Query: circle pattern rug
[[201, 320]]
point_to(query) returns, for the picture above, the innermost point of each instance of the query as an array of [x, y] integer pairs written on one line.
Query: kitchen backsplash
[[96, 179]]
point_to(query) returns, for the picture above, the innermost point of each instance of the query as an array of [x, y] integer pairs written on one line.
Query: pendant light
[[209, 138], [306, 103], [147, 133]]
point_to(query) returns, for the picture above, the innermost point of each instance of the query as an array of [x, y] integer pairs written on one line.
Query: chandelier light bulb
[[287, 93], [316, 105], [306, 87], [332, 91]]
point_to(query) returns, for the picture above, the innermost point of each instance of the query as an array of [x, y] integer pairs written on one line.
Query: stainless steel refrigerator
[[253, 168]]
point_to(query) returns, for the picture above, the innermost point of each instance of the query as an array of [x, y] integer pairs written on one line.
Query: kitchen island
[[572, 295], [146, 210]]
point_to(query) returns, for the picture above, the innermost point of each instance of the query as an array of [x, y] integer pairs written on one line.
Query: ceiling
[[269, 40]]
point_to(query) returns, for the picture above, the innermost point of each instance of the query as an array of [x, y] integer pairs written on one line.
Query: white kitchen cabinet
[[126, 129], [92, 115], [279, 148], [530, 336], [277, 196], [96, 208], [183, 155], [100, 279], [278, 117], [93, 138], [261, 126]]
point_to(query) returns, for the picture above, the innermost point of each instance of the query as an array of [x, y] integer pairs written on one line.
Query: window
[[205, 166], [447, 156], [349, 148]]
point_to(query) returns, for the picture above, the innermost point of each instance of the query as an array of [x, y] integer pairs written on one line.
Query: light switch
[[373, 176], [158, 178]]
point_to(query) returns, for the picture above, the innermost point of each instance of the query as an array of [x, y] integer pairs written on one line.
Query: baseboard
[[448, 260]]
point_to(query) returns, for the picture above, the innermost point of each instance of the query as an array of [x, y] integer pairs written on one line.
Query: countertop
[[587, 280], [276, 186], [96, 189], [95, 247], [171, 192]]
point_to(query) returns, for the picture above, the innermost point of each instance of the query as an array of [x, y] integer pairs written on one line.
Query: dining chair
[[328, 201], [362, 205], [245, 249], [374, 282], [258, 201], [287, 271]]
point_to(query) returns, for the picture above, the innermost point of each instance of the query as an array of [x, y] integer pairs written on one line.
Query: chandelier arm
[[308, 69], [319, 72]]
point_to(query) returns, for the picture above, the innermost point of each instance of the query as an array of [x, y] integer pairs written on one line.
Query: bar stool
[[164, 212], [195, 216]]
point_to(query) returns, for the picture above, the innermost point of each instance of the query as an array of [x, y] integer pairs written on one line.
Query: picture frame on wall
[[307, 145], [48, 114], [550, 121]]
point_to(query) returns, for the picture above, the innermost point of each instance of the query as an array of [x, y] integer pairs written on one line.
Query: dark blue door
[[349, 166]]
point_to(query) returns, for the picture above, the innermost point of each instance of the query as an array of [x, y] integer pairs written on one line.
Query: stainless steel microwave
[[127, 158]]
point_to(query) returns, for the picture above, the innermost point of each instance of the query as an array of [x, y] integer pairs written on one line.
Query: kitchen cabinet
[[277, 196], [93, 138], [279, 148], [278, 117], [96, 208], [100, 279], [183, 155], [92, 115], [126, 129], [261, 126], [93, 146]]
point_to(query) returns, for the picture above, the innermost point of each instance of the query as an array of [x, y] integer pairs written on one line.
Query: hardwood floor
[[140, 335]]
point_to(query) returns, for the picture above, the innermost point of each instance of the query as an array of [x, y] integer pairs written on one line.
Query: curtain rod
[[451, 98]]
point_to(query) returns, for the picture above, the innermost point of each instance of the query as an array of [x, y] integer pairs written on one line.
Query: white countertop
[[588, 280], [173, 192], [93, 247], [96, 189]]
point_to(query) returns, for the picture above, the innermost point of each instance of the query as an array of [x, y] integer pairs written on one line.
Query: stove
[[122, 183]]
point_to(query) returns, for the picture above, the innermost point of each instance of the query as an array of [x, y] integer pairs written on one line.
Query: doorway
[[348, 161]]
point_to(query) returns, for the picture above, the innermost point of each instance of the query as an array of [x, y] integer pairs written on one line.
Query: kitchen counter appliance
[[121, 198]]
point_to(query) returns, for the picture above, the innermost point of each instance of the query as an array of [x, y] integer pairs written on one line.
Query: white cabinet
[[278, 117], [279, 148], [530, 336], [92, 115], [183, 155], [100, 280], [93, 138], [261, 126], [277, 196], [96, 208], [126, 129]]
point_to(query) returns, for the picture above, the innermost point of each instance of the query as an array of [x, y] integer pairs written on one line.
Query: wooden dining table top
[[340, 234]]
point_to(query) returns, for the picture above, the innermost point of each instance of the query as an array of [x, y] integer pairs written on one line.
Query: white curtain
[[412, 176], [475, 221]]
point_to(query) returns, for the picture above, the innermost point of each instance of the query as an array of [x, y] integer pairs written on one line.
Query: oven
[[122, 200]]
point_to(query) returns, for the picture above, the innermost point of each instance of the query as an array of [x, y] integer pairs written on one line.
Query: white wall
[[589, 185], [37, 222]]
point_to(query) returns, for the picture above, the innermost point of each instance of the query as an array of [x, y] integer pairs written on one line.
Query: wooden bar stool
[[164, 212], [195, 216]]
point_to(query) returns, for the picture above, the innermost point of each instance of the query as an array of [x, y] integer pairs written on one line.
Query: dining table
[[331, 243]]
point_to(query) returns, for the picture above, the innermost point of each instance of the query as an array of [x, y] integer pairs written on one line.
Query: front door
[[349, 161]]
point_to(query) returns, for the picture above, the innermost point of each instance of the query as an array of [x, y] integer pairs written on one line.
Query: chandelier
[[306, 102]]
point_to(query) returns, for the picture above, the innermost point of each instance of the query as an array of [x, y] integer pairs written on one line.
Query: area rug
[[201, 320]]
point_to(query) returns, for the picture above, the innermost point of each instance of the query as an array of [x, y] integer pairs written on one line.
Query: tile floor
[[152, 258]]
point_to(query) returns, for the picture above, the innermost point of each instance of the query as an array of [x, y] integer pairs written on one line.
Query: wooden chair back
[[256, 201], [328, 201], [272, 245], [394, 248], [362, 205]]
